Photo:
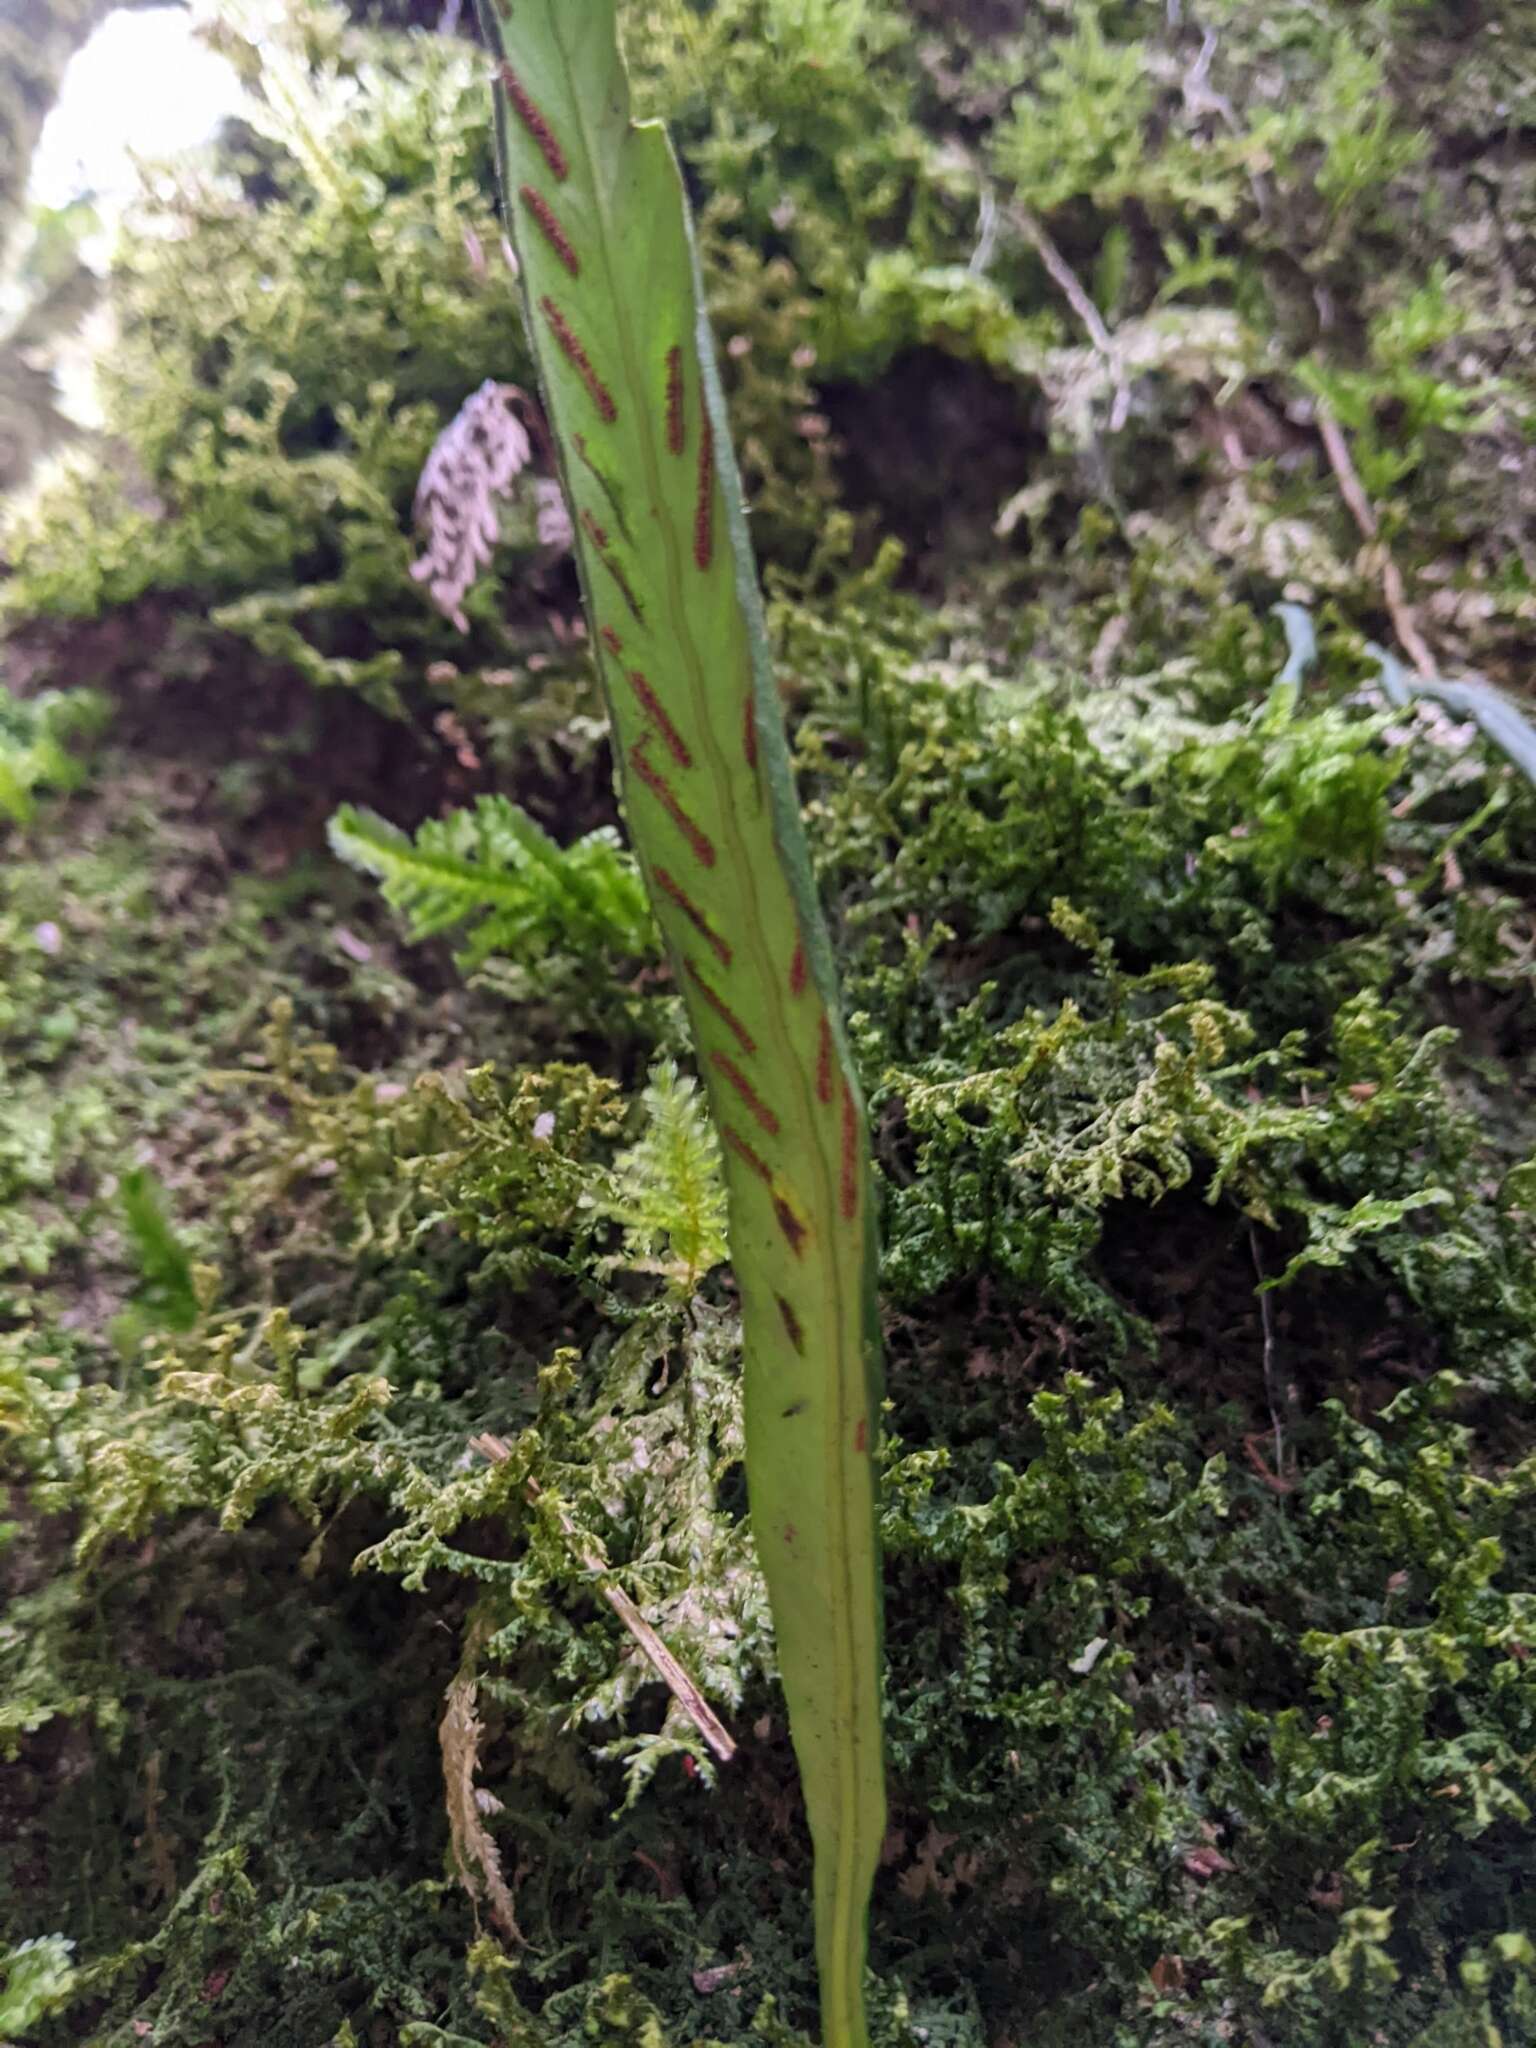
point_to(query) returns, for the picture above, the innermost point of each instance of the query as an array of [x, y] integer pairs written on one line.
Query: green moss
[[1185, 1614]]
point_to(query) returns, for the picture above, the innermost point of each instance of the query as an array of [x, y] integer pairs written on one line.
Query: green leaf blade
[[616, 317]]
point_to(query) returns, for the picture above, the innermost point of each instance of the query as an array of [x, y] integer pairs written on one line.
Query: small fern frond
[[167, 1296], [671, 1197], [494, 873]]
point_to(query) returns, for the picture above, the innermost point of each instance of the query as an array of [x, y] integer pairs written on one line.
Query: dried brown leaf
[[476, 1858], [1167, 1975]]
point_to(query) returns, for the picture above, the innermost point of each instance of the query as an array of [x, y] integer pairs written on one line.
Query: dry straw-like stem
[[668, 1669], [1067, 282], [1363, 512]]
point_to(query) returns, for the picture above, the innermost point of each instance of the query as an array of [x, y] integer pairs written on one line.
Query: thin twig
[[1199, 95], [1352, 491], [986, 232], [1267, 1323], [681, 1686], [1064, 276], [1070, 286]]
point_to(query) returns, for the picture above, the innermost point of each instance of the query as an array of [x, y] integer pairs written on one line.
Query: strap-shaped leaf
[[615, 310]]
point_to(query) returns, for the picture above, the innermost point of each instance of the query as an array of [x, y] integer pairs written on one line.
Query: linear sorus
[[849, 1185], [554, 234], [673, 889], [599, 534], [666, 796], [747, 1154], [704, 509], [656, 712], [675, 400], [579, 360], [791, 1322], [749, 733], [861, 1435], [722, 1010], [604, 483], [824, 1063], [534, 121], [746, 1091], [615, 569], [611, 640], [797, 969], [791, 1225]]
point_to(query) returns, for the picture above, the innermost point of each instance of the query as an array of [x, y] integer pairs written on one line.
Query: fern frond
[[497, 875], [168, 1291], [671, 1197]]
